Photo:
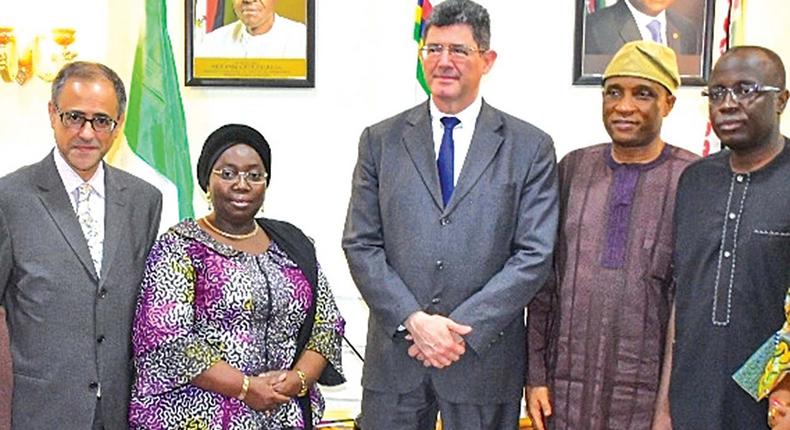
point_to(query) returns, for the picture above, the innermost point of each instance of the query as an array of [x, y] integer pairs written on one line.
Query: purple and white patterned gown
[[202, 301]]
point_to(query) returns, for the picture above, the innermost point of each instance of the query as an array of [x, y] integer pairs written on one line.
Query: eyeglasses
[[460, 52], [76, 120], [251, 176], [740, 93]]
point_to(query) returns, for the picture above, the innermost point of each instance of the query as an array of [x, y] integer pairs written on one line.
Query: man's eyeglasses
[[434, 50], [231, 175], [76, 120], [740, 93]]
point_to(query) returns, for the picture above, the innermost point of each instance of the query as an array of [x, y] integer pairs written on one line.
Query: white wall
[[365, 62]]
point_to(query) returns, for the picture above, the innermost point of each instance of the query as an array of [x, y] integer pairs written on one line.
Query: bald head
[[763, 59]]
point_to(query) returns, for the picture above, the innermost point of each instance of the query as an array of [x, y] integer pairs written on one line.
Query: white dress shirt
[[72, 181], [462, 133], [642, 20]]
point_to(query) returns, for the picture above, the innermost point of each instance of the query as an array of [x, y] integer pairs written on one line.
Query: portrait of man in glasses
[[74, 236], [732, 244]]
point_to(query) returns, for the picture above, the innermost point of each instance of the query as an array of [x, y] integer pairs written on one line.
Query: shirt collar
[[467, 116], [643, 19], [71, 180]]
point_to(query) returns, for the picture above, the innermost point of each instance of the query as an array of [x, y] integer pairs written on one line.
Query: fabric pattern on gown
[[202, 301], [596, 331]]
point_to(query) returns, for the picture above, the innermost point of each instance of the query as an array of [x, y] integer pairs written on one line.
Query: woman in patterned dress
[[235, 320], [765, 374]]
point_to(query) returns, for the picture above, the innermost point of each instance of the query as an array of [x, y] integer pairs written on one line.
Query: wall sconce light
[[43, 56]]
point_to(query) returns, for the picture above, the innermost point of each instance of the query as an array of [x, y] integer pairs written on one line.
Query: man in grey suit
[[608, 29], [447, 250], [74, 235]]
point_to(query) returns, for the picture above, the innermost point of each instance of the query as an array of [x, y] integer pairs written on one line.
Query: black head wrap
[[223, 138]]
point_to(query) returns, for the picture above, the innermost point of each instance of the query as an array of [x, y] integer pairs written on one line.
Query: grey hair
[[89, 71], [452, 12]]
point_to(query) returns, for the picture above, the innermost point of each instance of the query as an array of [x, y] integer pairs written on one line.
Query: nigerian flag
[[420, 19], [155, 126]]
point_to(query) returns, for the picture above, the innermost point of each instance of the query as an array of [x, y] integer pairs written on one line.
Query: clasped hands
[[438, 340], [271, 389]]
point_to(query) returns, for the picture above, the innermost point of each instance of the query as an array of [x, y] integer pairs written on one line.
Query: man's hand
[[415, 353], [662, 421], [538, 404], [438, 340]]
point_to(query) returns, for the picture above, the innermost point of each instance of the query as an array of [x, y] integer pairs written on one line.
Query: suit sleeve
[[155, 217], [388, 297], [6, 256], [492, 308]]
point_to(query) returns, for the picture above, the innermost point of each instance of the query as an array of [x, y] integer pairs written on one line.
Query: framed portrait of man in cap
[[604, 26], [267, 43]]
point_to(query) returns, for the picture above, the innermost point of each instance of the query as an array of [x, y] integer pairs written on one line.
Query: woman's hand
[[262, 395], [778, 410], [291, 385]]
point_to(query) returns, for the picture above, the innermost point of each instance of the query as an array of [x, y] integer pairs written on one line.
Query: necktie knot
[[450, 122], [655, 30], [84, 192]]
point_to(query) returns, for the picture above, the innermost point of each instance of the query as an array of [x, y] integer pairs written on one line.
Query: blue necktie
[[445, 160], [655, 30]]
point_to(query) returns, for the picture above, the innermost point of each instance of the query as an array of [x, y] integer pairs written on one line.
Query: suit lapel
[[485, 143], [114, 202], [674, 36], [629, 31], [53, 196], [418, 139]]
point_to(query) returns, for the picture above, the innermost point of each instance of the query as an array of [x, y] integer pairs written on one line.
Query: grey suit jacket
[[479, 261], [69, 329], [609, 28]]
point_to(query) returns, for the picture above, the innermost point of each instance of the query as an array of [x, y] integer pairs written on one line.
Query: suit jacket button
[[440, 264], [102, 293], [93, 385], [100, 339], [436, 300], [444, 221]]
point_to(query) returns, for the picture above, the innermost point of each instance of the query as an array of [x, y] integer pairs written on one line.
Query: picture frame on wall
[[603, 26], [250, 43]]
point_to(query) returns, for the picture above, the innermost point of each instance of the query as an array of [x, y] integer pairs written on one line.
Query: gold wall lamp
[[43, 56]]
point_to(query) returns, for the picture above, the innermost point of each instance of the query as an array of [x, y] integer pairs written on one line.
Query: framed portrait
[[250, 43], [603, 26]]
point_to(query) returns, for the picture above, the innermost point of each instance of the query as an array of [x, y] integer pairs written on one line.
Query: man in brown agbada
[[596, 331]]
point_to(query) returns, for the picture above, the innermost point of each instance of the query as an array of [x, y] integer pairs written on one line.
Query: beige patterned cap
[[648, 60]]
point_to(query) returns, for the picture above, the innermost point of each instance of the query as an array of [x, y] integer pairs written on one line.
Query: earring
[[208, 201]]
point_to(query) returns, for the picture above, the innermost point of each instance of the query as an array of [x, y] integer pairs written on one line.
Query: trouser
[[417, 410], [97, 420]]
